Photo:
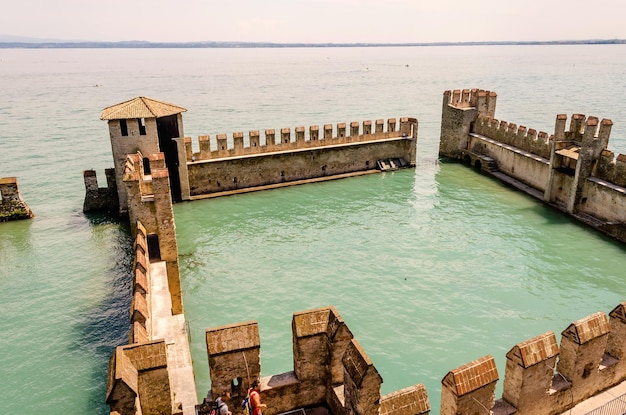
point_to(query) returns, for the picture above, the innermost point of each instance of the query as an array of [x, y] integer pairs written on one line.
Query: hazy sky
[[315, 21]]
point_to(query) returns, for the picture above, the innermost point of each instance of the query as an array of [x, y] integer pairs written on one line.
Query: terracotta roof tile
[[471, 376], [588, 328], [140, 107], [619, 312], [535, 350], [409, 401]]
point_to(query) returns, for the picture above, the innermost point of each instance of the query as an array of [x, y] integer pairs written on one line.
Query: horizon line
[[247, 44]]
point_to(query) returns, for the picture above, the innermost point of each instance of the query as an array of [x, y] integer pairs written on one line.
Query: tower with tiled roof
[[147, 126]]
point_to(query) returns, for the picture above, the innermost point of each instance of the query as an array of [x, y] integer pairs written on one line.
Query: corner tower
[[148, 126]]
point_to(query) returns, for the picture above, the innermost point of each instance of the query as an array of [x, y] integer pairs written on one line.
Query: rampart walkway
[[172, 328], [596, 404]]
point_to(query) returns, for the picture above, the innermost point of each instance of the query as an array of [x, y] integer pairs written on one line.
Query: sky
[[315, 21]]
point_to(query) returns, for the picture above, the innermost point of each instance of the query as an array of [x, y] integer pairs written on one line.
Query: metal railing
[[615, 407]]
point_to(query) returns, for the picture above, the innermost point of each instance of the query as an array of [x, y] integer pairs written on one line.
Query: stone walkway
[[173, 329], [597, 401]]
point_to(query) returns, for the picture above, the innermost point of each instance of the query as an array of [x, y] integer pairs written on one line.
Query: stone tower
[[148, 126], [459, 112]]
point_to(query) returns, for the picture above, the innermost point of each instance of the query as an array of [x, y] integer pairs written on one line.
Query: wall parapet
[[288, 140], [484, 101], [322, 346], [526, 139], [100, 199], [571, 170], [140, 315], [541, 377]]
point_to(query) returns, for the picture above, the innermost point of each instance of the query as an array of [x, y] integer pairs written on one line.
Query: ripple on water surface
[[426, 283]]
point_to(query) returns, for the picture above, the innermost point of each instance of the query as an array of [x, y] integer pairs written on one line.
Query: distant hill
[[8, 41], [24, 39]]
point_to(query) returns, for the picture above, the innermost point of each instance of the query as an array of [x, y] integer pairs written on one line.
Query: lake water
[[430, 268]]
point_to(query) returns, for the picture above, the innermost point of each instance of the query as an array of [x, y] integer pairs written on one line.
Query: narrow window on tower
[[142, 126], [123, 128]]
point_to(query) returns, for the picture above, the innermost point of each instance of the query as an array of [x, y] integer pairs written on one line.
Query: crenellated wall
[[285, 157], [12, 206], [571, 169], [458, 113], [274, 158], [153, 373], [150, 203], [100, 199], [286, 140], [522, 138], [140, 318], [330, 370], [542, 378]]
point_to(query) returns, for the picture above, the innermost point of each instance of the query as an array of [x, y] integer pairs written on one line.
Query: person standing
[[255, 398], [222, 407]]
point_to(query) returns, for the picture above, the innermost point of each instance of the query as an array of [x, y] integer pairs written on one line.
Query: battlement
[[483, 101], [525, 139], [140, 314], [150, 203], [286, 140], [100, 199], [541, 378], [583, 131], [12, 206], [261, 160], [153, 372], [282, 159], [330, 369], [571, 169]]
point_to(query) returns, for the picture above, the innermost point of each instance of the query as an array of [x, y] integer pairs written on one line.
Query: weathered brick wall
[[140, 312], [525, 139], [274, 168], [12, 206], [140, 370], [321, 340], [469, 389], [150, 203], [286, 140], [131, 144], [234, 352], [100, 199], [408, 401], [590, 360], [529, 371], [571, 169], [280, 159], [459, 111]]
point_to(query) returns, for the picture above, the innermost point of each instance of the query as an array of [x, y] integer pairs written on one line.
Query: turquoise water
[[430, 268]]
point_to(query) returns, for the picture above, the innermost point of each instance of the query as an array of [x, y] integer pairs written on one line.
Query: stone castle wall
[[143, 375], [540, 377], [100, 199], [285, 140], [329, 369], [12, 206], [571, 169], [150, 203], [525, 139], [285, 158]]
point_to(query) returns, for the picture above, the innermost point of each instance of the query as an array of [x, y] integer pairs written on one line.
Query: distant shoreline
[[223, 45]]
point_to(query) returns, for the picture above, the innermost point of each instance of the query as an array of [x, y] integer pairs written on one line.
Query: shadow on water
[[552, 216], [96, 219], [15, 235], [104, 327]]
